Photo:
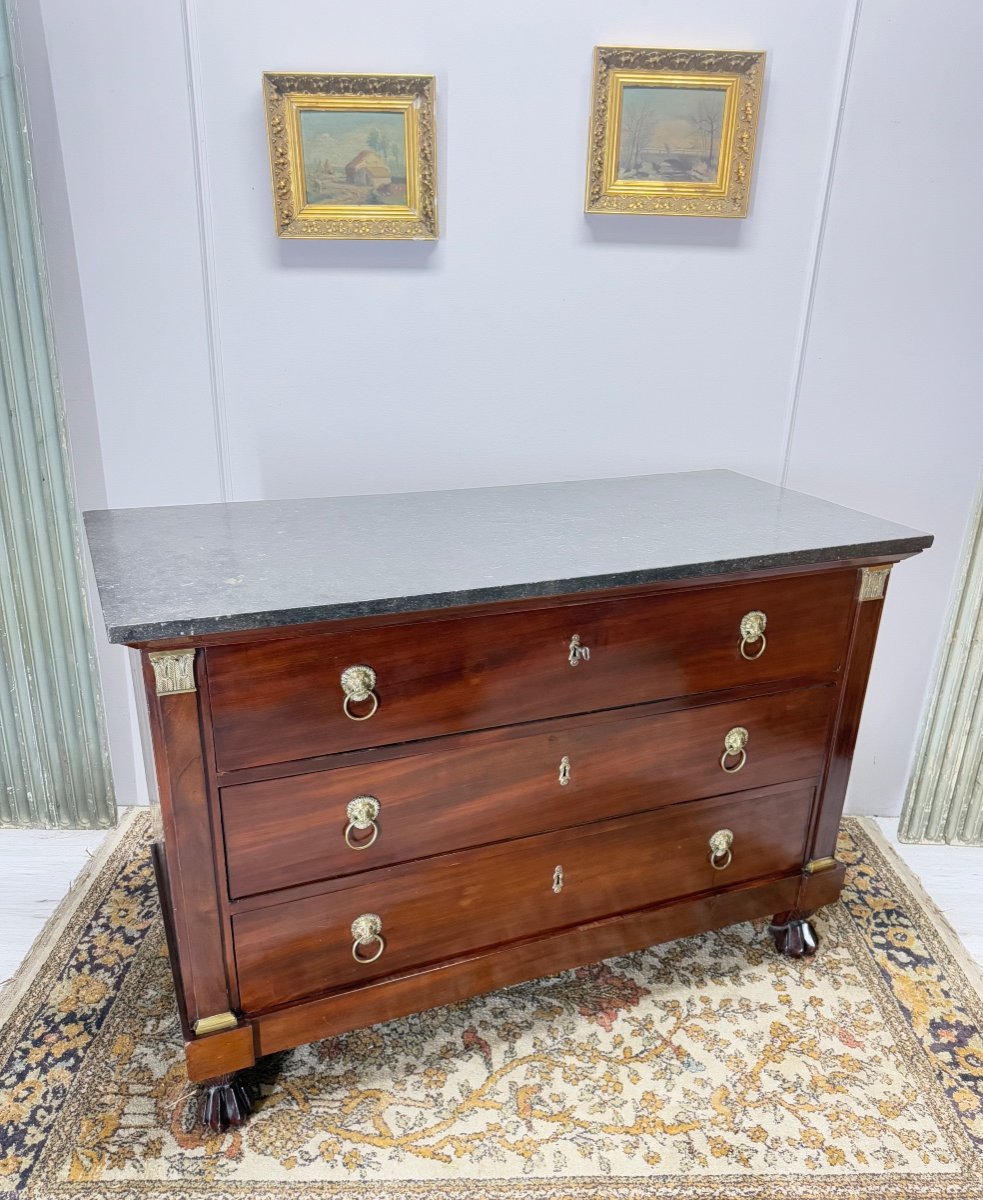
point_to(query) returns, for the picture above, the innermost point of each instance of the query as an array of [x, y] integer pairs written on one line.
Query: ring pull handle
[[753, 631], [735, 741], [576, 652], [362, 813], [367, 930], [721, 854], [358, 684]]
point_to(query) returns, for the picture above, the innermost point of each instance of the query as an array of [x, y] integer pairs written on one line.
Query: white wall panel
[[119, 84], [72, 350], [890, 418], [531, 342]]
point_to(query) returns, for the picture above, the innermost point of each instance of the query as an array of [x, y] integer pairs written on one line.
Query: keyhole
[[564, 770], [557, 879], [577, 652]]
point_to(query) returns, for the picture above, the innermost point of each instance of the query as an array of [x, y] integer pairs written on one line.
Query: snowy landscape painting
[[672, 131], [670, 134]]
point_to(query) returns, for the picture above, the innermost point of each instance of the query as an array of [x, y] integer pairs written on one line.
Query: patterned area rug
[[708, 1067]]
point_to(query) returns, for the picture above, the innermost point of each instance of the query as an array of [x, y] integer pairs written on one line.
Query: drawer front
[[492, 787], [456, 904], [282, 700]]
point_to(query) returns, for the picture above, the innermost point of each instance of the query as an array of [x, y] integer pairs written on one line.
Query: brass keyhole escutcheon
[[577, 653], [558, 879], [564, 776]]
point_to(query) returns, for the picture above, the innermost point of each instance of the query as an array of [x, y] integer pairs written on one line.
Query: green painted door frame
[[945, 797], [54, 761]]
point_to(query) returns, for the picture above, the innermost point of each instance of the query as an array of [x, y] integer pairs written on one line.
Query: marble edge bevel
[[191, 627]]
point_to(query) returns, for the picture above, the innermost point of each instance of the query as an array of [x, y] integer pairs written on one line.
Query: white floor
[[37, 868]]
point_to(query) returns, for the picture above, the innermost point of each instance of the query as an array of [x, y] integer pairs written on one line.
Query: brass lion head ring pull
[[367, 931], [721, 855], [362, 813], [358, 684], [735, 741], [752, 632]]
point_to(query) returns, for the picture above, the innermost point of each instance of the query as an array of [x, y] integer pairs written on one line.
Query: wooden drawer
[[441, 908], [282, 700], [506, 784]]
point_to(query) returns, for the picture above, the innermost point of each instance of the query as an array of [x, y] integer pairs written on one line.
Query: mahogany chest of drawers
[[411, 748]]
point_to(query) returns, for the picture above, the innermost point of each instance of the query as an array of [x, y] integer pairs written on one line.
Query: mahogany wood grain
[[822, 888], [279, 833], [220, 1053], [216, 1054], [188, 861], [866, 618], [157, 855], [219, 865], [447, 983], [477, 706], [501, 735], [444, 907], [278, 701]]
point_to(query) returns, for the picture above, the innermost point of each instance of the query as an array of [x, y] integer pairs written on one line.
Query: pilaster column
[[54, 761], [945, 796]]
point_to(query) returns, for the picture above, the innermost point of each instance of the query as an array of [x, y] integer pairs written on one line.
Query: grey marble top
[[208, 568]]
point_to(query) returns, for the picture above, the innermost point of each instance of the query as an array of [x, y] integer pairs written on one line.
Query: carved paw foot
[[794, 935], [225, 1101]]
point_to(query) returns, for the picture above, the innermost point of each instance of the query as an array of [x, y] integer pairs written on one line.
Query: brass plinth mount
[[358, 684], [735, 746], [367, 932], [816, 866], [215, 1024], [873, 581], [174, 671]]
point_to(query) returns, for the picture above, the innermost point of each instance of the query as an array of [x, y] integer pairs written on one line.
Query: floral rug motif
[[706, 1067]]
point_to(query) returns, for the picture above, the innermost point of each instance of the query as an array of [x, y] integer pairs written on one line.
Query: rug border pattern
[[53, 950]]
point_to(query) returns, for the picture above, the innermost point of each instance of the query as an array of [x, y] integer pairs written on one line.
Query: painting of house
[[353, 157], [320, 175], [367, 170]]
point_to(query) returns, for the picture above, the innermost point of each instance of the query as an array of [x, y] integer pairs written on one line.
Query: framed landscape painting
[[672, 131], [352, 156]]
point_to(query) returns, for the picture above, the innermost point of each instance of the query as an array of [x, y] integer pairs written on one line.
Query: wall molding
[[945, 796], [805, 328], [54, 759], [206, 247]]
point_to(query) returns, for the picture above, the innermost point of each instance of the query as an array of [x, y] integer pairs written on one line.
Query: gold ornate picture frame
[[352, 156], [672, 132]]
